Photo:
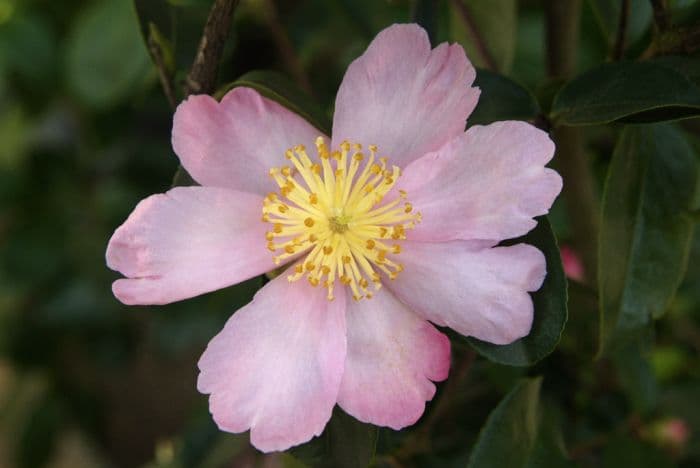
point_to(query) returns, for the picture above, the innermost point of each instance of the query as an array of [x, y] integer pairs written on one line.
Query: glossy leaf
[[497, 23], [277, 87], [653, 91], [502, 99], [106, 58], [345, 443], [510, 434], [645, 233], [550, 308]]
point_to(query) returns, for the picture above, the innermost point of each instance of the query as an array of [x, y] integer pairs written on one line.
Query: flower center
[[332, 210]]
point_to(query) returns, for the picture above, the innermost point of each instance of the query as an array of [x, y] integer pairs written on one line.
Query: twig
[[661, 18], [163, 74], [284, 45], [475, 35], [563, 17], [619, 47], [202, 75]]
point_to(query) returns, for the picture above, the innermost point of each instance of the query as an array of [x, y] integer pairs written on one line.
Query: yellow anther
[[335, 214]]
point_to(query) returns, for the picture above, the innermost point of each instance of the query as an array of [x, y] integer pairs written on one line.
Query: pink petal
[[276, 366], [476, 291], [234, 143], [489, 183], [392, 357], [403, 97], [186, 242]]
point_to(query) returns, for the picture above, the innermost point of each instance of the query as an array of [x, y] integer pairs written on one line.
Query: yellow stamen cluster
[[332, 210]]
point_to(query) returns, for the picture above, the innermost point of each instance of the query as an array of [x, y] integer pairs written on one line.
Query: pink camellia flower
[[349, 322]]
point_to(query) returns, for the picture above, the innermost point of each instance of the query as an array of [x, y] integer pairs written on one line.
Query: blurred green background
[[85, 134]]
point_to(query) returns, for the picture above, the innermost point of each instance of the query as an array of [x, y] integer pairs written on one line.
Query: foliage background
[[84, 135]]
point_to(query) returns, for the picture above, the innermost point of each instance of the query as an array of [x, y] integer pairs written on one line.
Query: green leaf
[[514, 434], [345, 443], [496, 21], [106, 58], [502, 99], [645, 233], [642, 92], [550, 307], [277, 87]]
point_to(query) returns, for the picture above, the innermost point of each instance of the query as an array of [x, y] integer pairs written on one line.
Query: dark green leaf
[[510, 432], [497, 24], [345, 443], [502, 99], [106, 57], [277, 87], [645, 234], [643, 92], [550, 308]]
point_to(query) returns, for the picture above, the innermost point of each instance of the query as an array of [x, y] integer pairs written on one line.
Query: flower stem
[[563, 18]]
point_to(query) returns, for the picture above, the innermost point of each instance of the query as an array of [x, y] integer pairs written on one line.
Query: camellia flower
[[390, 224]]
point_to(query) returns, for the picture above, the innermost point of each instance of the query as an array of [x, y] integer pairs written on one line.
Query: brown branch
[[619, 47], [475, 34], [202, 75], [661, 17]]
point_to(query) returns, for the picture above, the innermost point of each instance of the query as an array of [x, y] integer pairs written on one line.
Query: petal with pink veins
[[235, 142], [476, 291], [186, 242], [489, 183], [276, 366], [393, 358], [403, 97]]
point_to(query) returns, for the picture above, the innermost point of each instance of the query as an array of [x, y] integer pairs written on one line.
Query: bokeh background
[[85, 134]]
